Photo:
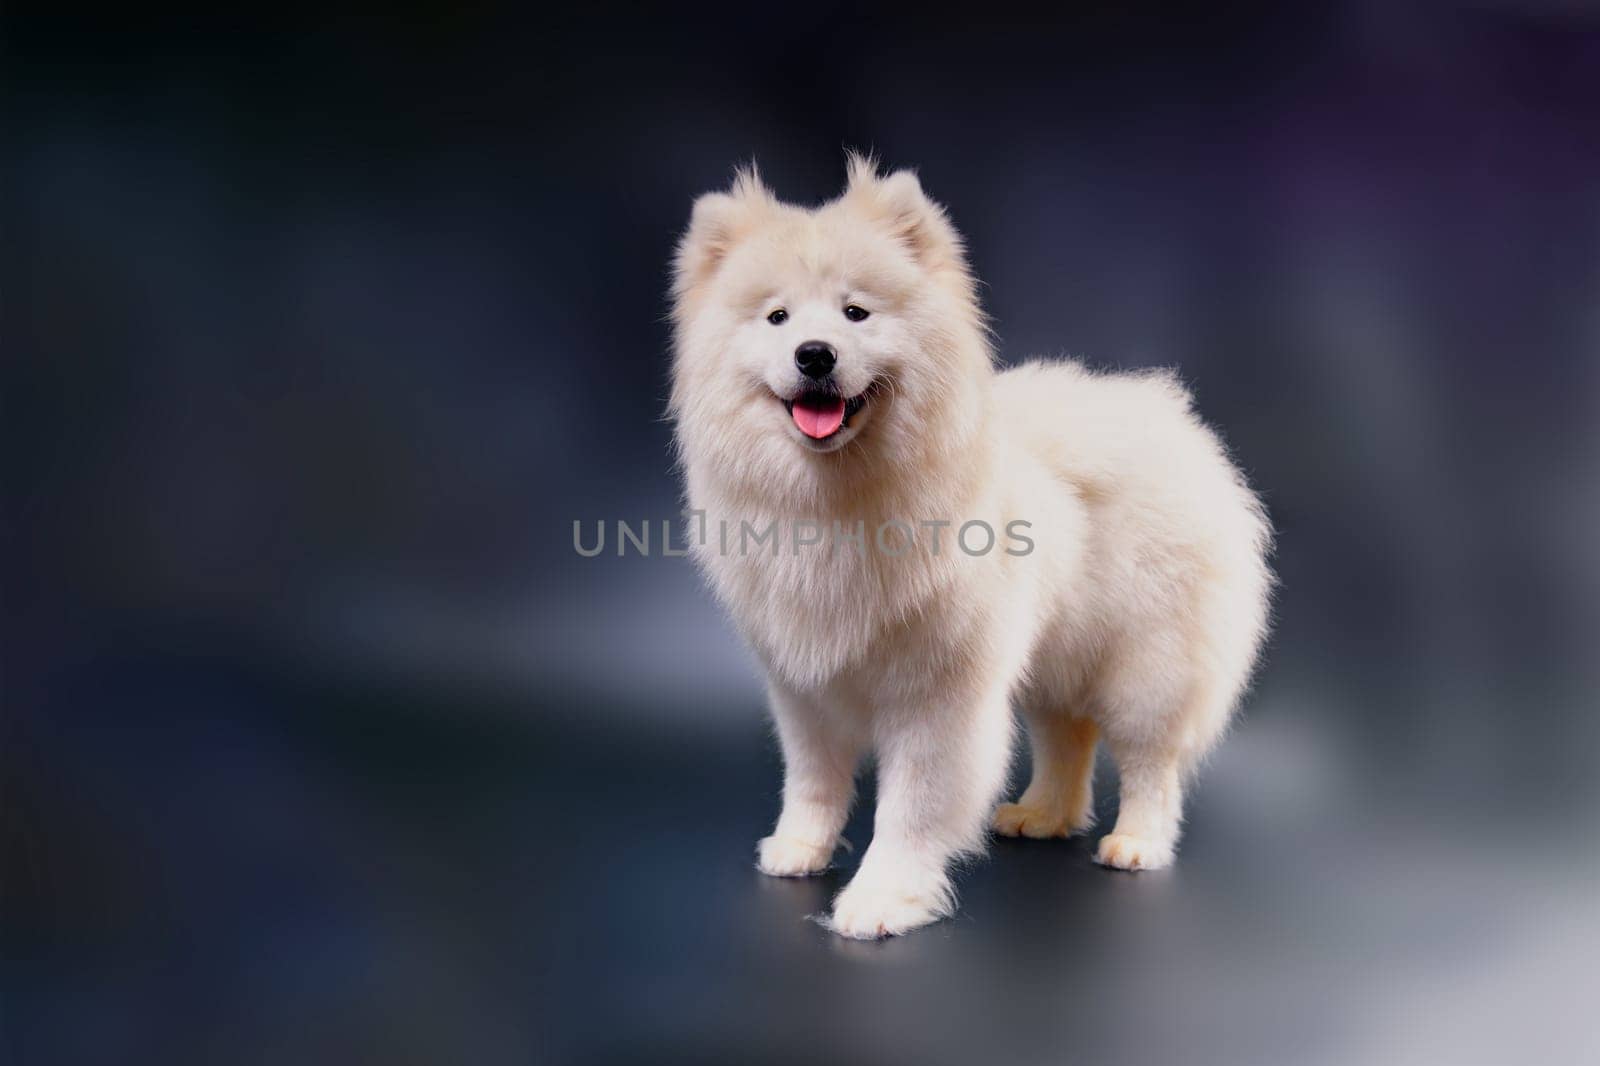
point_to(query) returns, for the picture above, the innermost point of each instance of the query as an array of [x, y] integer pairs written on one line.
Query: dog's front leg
[[940, 768], [821, 747]]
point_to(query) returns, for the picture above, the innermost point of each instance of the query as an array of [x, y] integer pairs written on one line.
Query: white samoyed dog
[[833, 378]]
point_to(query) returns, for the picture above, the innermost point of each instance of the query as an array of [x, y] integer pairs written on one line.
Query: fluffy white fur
[[1136, 619]]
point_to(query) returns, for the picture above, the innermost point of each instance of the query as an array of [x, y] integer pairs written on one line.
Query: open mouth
[[820, 414]]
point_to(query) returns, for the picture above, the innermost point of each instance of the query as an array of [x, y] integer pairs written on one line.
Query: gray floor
[[285, 870]]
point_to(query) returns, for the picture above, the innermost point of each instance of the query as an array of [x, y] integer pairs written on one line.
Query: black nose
[[815, 359]]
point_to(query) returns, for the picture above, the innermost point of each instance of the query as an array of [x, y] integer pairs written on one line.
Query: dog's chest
[[811, 613]]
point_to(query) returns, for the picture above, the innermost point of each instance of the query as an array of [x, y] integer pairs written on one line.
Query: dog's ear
[[896, 202], [720, 220]]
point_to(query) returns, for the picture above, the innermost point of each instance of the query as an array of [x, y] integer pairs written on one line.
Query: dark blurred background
[[321, 744]]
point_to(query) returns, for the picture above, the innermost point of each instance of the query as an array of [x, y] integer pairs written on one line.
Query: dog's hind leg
[[1151, 814], [1059, 800], [1157, 734]]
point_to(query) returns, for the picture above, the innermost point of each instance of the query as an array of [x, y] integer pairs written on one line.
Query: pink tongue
[[819, 416]]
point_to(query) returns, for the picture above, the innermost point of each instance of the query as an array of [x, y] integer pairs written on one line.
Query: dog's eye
[[854, 313], [778, 317]]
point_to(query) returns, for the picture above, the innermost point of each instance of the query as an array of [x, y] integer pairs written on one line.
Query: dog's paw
[[872, 910], [1133, 853], [788, 857], [1038, 823]]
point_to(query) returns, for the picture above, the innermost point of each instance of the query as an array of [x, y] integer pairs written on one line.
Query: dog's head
[[803, 331]]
